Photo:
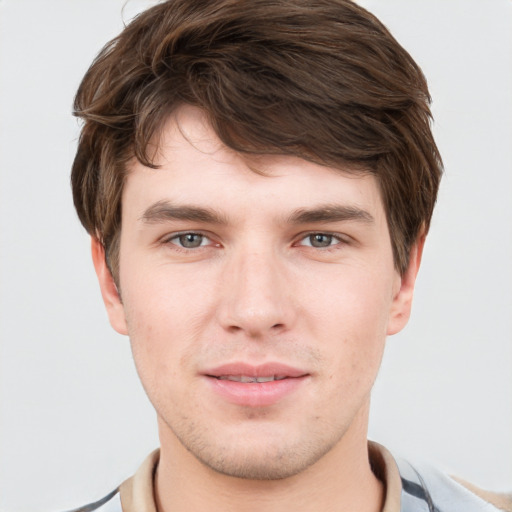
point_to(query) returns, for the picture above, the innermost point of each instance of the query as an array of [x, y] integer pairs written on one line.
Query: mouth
[[246, 379], [244, 372], [255, 386]]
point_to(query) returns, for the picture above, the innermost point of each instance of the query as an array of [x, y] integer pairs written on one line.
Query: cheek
[[349, 319], [357, 304], [164, 298], [163, 317]]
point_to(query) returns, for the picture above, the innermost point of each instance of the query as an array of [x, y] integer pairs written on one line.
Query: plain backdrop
[[74, 421]]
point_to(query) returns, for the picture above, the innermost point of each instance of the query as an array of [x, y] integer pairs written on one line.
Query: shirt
[[408, 489]]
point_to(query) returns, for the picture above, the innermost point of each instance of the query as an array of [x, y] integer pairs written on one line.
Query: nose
[[257, 294]]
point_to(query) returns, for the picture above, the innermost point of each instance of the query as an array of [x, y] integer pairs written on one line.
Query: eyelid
[[168, 239], [340, 237]]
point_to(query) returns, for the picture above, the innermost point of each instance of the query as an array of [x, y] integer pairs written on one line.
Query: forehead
[[194, 166]]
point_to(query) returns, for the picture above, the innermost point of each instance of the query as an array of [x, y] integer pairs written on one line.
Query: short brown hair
[[320, 79]]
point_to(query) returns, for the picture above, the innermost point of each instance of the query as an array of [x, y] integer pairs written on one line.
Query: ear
[[109, 292], [402, 300]]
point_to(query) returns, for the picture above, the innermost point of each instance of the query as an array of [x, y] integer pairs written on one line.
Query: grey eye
[[320, 240], [191, 240]]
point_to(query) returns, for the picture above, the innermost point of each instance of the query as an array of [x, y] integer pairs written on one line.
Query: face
[[257, 303]]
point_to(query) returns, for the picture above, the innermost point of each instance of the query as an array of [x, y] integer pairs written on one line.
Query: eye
[[320, 240], [190, 240]]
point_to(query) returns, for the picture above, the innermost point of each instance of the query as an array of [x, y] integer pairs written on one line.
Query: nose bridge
[[256, 295]]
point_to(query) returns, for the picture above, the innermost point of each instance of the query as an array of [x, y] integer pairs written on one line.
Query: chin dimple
[[249, 380]]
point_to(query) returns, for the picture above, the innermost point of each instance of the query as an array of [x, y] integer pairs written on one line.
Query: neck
[[340, 481]]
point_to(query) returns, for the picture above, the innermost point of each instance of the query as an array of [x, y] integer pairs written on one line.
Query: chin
[[263, 462]]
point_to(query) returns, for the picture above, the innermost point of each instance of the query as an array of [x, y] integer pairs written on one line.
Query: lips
[[254, 386], [275, 370]]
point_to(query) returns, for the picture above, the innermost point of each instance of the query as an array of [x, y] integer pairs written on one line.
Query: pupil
[[321, 240]]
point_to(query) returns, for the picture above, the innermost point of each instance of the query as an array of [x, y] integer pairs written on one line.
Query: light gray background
[[74, 421]]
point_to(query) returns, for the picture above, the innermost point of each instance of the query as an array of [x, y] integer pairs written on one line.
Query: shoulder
[[136, 492], [109, 503], [427, 489]]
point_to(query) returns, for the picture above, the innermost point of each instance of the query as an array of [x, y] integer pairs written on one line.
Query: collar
[[137, 492]]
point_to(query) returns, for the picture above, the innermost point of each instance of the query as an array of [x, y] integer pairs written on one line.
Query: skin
[[259, 284]]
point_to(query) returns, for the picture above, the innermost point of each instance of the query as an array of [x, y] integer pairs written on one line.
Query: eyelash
[[340, 241], [177, 236]]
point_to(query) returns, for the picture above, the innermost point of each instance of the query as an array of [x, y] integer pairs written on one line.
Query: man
[[258, 180]]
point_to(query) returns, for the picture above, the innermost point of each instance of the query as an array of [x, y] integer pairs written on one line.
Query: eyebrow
[[330, 213], [163, 211]]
